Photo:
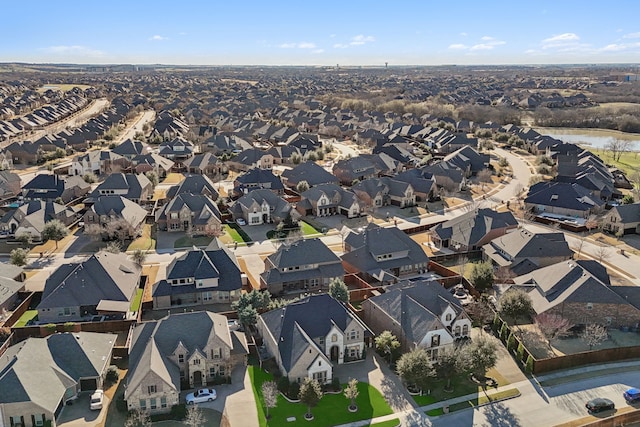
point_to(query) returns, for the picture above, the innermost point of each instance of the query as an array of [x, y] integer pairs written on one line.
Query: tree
[[139, 256], [480, 356], [594, 335], [310, 394], [138, 418], [480, 312], [627, 199], [113, 247], [54, 230], [482, 275], [415, 368], [339, 290], [484, 177], [449, 362], [94, 231], [270, 395], [515, 303], [302, 186], [194, 417], [90, 178], [120, 229], [248, 316], [553, 326], [19, 256], [351, 392], [257, 299], [24, 238], [602, 253], [503, 275], [387, 343], [153, 178]]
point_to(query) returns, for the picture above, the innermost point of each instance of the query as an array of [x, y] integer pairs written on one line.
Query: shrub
[[511, 342], [50, 327], [294, 391], [497, 323], [283, 385], [529, 365], [520, 351], [504, 332], [68, 326], [544, 170], [112, 374]]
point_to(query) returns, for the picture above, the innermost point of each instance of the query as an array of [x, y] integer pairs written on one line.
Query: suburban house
[[448, 177], [103, 285], [255, 179], [155, 163], [472, 230], [98, 163], [522, 251], [622, 219], [251, 158], [311, 336], [117, 215], [468, 159], [310, 172], [562, 198], [194, 184], [356, 168], [131, 186], [262, 207], [11, 282], [378, 192], [10, 184], [423, 184], [579, 291], [204, 164], [179, 352], [383, 255], [200, 276], [31, 218], [39, 376], [307, 265], [51, 187], [177, 150], [329, 199], [420, 314], [195, 213], [130, 149]]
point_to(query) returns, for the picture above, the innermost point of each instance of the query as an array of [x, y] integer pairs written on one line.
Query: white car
[[241, 221], [201, 395], [96, 399]]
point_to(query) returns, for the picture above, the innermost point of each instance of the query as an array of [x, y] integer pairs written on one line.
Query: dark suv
[[600, 404]]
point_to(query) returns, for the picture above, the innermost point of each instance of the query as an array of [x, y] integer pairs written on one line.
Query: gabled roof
[[628, 213], [525, 244], [194, 184], [130, 148], [303, 252], [120, 207], [563, 195], [311, 172], [133, 183], [203, 207], [471, 227]]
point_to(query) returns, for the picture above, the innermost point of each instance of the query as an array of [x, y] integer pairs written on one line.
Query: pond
[[597, 138]]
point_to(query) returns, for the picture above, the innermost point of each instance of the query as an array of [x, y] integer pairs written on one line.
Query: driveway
[[78, 414]]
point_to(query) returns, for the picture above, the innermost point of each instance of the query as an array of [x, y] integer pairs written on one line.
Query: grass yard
[[173, 179], [25, 318], [629, 161], [307, 230], [462, 385], [144, 242], [187, 242], [331, 411], [235, 236], [137, 300]]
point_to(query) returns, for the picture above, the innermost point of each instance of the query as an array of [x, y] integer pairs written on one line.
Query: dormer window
[[448, 317], [435, 340], [181, 358]]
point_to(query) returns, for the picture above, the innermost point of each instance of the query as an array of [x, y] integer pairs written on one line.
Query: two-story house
[[622, 219], [98, 163], [178, 352], [329, 199], [117, 215], [420, 314], [308, 338], [195, 213], [134, 187], [306, 265], [262, 207], [200, 277], [378, 192], [31, 218]]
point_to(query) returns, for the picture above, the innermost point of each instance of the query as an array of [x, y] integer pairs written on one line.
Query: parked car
[[201, 395], [632, 395], [241, 221], [96, 399], [600, 404]]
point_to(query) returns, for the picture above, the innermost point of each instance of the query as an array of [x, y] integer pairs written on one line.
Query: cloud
[[361, 39], [302, 45], [458, 46], [74, 50], [614, 47], [317, 51], [481, 46], [340, 46], [463, 34], [182, 33], [158, 38], [488, 44], [562, 38], [631, 36]]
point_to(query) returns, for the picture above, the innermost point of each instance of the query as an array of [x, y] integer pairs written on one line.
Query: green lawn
[[331, 411], [307, 230], [137, 300], [186, 241], [461, 386], [629, 161], [233, 233], [28, 315], [480, 400]]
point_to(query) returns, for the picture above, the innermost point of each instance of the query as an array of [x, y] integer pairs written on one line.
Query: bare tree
[[617, 147], [480, 312], [592, 222], [484, 177], [94, 231], [121, 229], [634, 179], [594, 335], [553, 326], [503, 275], [602, 253], [194, 417], [270, 395]]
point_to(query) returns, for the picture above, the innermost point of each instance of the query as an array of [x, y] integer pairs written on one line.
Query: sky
[[325, 32]]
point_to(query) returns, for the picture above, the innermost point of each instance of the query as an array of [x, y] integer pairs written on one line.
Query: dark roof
[[311, 172], [194, 184]]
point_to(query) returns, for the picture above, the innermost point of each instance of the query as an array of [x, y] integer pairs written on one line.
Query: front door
[[335, 353], [197, 379]]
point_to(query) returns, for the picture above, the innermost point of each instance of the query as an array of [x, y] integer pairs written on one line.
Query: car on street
[[96, 400], [600, 404], [632, 395], [201, 395], [241, 221]]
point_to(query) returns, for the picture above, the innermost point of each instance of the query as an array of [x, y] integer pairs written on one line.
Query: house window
[[353, 352], [321, 340], [448, 317], [589, 306], [457, 331], [163, 402], [152, 403], [212, 372], [435, 340], [143, 404], [354, 335], [334, 338], [196, 361], [182, 375], [321, 377], [221, 369], [207, 296], [152, 389], [181, 358], [465, 330], [314, 282]]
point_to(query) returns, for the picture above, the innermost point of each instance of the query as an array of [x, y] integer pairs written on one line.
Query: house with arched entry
[[308, 338]]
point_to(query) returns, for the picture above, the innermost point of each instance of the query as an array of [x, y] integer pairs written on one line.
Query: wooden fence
[[41, 331], [20, 310]]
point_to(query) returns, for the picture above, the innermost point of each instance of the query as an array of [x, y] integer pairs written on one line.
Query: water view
[[597, 138]]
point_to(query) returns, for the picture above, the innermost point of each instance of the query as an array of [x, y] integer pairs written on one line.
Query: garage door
[[88, 385]]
